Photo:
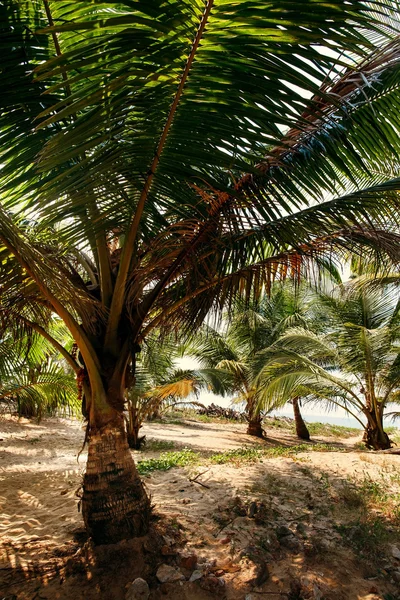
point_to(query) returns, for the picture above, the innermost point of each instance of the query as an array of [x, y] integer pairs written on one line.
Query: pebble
[[396, 552], [138, 590], [214, 585], [291, 543], [168, 574], [283, 531], [196, 575], [188, 561], [396, 576]]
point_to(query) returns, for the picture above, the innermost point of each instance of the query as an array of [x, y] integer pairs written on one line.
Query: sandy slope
[[39, 523]]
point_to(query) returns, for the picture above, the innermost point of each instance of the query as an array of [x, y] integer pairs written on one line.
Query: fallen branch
[[224, 526], [195, 480]]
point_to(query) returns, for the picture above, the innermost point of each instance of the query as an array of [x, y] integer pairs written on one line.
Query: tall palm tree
[[252, 328], [355, 365], [172, 155]]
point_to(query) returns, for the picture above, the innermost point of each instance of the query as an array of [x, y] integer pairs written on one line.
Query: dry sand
[[41, 528]]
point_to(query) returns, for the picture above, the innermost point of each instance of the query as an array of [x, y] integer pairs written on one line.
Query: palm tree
[[250, 329], [159, 384], [175, 154], [355, 365], [34, 379]]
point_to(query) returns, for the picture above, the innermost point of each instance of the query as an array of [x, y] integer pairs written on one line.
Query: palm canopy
[[159, 383], [173, 154], [237, 350], [355, 364]]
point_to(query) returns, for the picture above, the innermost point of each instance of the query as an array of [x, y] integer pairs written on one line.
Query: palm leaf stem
[[346, 408], [39, 329], [105, 278], [57, 46], [127, 252], [89, 355], [26, 386]]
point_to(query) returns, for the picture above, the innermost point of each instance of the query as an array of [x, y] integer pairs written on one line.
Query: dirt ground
[[282, 527]]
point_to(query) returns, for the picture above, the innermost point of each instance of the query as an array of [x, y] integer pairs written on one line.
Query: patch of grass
[[280, 423], [152, 445], [367, 537], [351, 495], [376, 491], [332, 430], [338, 431], [373, 497], [246, 455], [237, 456], [395, 436], [168, 460], [203, 418], [34, 440], [286, 451]]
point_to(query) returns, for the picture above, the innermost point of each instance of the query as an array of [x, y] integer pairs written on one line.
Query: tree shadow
[[233, 513]]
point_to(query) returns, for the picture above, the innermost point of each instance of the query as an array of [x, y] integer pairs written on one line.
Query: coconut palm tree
[[251, 328], [355, 365], [160, 384], [173, 154], [34, 378]]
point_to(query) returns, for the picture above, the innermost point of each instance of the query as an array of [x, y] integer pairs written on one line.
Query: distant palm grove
[[165, 166]]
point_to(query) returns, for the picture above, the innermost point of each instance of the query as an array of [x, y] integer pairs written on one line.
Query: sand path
[[40, 477]]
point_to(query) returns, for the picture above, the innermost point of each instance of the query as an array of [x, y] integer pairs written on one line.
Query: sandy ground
[[40, 475]]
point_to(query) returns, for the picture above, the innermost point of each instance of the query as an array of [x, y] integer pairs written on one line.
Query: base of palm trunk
[[255, 428], [374, 439], [114, 503], [301, 428], [302, 433]]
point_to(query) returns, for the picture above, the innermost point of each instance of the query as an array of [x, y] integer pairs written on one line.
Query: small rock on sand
[[396, 552], [168, 574], [138, 590]]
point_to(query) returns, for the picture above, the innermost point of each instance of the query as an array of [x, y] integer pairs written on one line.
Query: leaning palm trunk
[[375, 438], [114, 503], [301, 428]]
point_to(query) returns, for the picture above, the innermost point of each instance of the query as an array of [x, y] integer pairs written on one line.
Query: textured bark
[[135, 441], [301, 428], [374, 436], [114, 503], [254, 426]]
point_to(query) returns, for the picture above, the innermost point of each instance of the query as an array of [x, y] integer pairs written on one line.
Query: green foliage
[[34, 379], [315, 429], [161, 159], [326, 429], [354, 364], [168, 460], [367, 537], [153, 445], [240, 456], [237, 457]]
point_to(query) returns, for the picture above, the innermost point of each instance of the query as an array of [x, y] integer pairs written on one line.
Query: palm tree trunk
[[133, 426], [254, 426], [115, 505], [301, 428], [375, 438]]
